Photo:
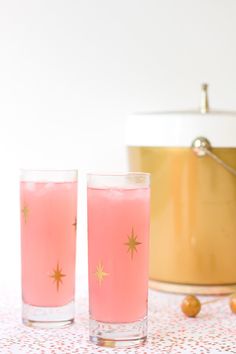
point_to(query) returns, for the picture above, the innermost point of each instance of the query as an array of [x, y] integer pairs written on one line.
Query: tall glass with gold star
[[118, 236], [48, 240]]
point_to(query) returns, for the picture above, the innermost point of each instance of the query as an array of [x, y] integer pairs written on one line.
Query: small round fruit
[[232, 302], [191, 306]]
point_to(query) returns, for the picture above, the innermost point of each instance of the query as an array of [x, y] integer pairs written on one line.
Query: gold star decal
[[100, 274], [25, 212], [132, 243], [75, 224], [57, 276]]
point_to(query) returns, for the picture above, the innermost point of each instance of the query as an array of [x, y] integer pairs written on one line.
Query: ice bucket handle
[[202, 147]]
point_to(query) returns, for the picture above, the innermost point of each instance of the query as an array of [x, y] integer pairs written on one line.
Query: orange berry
[[191, 306]]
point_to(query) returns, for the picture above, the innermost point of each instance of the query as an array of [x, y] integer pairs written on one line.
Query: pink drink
[[118, 229], [48, 238]]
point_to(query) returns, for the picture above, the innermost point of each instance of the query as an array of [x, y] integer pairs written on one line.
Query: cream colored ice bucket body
[[193, 198]]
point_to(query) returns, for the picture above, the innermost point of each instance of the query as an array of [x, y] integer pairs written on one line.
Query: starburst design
[[25, 212], [132, 243], [57, 276], [100, 273], [75, 224]]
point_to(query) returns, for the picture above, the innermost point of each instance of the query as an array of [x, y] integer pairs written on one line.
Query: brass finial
[[204, 108]]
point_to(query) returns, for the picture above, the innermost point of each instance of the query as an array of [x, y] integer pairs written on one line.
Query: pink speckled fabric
[[213, 331]]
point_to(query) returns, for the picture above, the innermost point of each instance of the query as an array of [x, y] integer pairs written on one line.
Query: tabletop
[[212, 331]]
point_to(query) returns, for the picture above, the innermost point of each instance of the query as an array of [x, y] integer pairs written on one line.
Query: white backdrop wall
[[70, 72]]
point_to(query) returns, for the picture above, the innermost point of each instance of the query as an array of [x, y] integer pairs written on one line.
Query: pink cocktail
[[118, 235], [48, 240]]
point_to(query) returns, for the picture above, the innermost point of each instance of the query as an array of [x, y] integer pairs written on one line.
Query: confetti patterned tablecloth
[[214, 331]]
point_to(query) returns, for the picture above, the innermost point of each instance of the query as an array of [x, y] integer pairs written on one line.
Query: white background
[[71, 71]]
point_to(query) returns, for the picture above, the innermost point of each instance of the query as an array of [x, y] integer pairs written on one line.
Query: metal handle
[[202, 147]]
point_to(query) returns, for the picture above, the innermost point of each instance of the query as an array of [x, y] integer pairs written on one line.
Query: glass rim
[[48, 175], [48, 170], [118, 174], [127, 180]]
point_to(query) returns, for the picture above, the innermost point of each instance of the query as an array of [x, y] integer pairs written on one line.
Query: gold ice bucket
[[192, 159]]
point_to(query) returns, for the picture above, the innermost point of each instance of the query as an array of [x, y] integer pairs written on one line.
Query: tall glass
[[48, 240], [118, 242]]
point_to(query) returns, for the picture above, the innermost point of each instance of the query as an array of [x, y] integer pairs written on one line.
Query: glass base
[[118, 335], [192, 289], [48, 317]]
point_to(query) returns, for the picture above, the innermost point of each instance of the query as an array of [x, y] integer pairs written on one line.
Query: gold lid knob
[[204, 107]]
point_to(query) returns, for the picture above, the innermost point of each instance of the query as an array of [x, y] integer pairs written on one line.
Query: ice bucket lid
[[179, 129]]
